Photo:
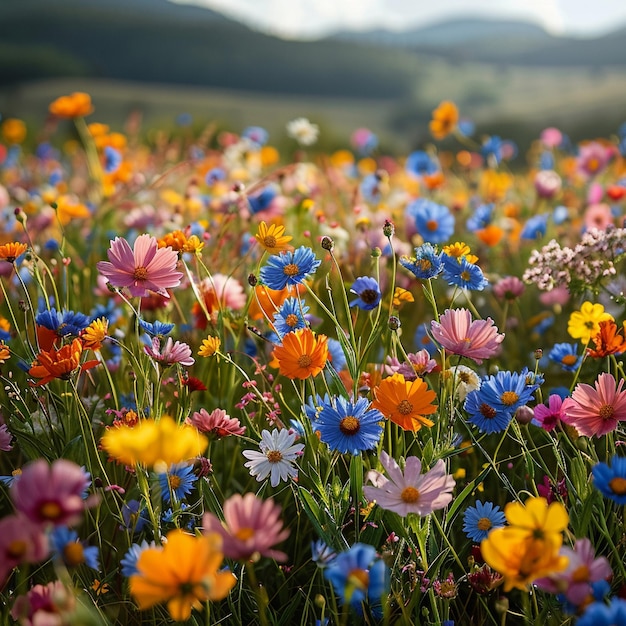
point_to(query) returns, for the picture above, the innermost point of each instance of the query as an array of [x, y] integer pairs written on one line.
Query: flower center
[[274, 456], [50, 510], [618, 485], [425, 265], [581, 574], [305, 361], [174, 481], [269, 241], [589, 324], [17, 549], [359, 578], [73, 553], [245, 533], [291, 320], [484, 523], [569, 359], [410, 495], [405, 407], [488, 412], [432, 225], [509, 398], [465, 275], [140, 273], [291, 270], [369, 296], [606, 411], [464, 377], [349, 425]]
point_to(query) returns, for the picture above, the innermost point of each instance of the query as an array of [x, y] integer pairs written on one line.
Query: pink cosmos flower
[[51, 494], [509, 288], [142, 268], [217, 422], [5, 438], [411, 492], [582, 570], [172, 352], [558, 295], [251, 527], [459, 334], [547, 417], [21, 541], [44, 605], [596, 411], [419, 363], [598, 216], [593, 157], [551, 137]]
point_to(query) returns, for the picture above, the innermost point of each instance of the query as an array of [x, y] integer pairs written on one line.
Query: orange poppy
[[10, 251], [405, 402], [608, 341], [302, 354], [59, 363], [77, 104], [445, 119]]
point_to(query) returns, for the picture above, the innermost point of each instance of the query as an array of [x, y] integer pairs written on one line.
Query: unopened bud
[[538, 354], [524, 415], [388, 229], [252, 280], [327, 243], [376, 252], [394, 322]]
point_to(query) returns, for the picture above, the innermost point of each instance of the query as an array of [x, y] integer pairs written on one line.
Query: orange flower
[[608, 340], [59, 363], [445, 119], [267, 301], [77, 104], [490, 235], [176, 240], [302, 354], [5, 353], [401, 295], [13, 130], [273, 238], [10, 251], [95, 334], [68, 207], [405, 402]]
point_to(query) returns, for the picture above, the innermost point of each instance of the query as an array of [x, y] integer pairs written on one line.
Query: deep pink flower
[[411, 491], [217, 422], [251, 527], [5, 438], [595, 411], [51, 494], [44, 605], [142, 268], [459, 334], [172, 352], [21, 541], [547, 417]]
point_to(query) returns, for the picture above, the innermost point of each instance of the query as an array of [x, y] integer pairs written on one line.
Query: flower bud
[[327, 243], [388, 229], [394, 322], [524, 414], [252, 280]]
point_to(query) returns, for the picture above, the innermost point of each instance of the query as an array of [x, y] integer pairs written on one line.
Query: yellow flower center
[[245, 533], [291, 320], [305, 361], [606, 411], [509, 398], [174, 481], [358, 578], [274, 456], [50, 510], [140, 273], [464, 377], [425, 265], [581, 574], [465, 276], [73, 553], [291, 270], [269, 241], [484, 523], [618, 485], [349, 425], [16, 549], [569, 359], [410, 495], [405, 407]]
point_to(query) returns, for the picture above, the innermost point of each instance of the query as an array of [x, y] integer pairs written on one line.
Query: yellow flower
[[13, 130], [154, 442], [209, 346], [585, 324], [183, 573], [402, 295], [460, 249], [536, 518], [444, 121], [272, 238], [95, 334], [193, 245], [68, 208]]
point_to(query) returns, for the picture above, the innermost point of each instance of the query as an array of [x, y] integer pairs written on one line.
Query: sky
[[309, 19]]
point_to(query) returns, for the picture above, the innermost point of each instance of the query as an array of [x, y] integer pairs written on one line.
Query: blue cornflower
[[368, 292], [112, 159], [466, 127], [546, 160], [481, 218], [420, 163], [73, 552], [129, 560], [610, 480], [535, 227], [480, 519], [349, 427], [214, 175], [461, 273], [600, 614], [426, 264], [492, 149], [322, 554], [371, 188], [177, 481], [290, 316], [262, 200], [134, 516], [565, 354], [336, 355], [486, 417], [63, 323], [256, 135], [168, 516], [289, 268], [358, 575], [507, 391], [157, 329], [434, 222]]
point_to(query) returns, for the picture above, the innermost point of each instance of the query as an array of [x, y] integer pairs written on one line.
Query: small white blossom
[[278, 452], [303, 131]]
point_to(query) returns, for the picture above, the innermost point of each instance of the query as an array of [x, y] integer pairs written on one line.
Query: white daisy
[[303, 131], [465, 380], [278, 452]]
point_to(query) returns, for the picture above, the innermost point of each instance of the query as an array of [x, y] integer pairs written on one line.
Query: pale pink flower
[[172, 352], [582, 569], [51, 494], [251, 527], [45, 605], [459, 334], [593, 157], [411, 491], [217, 422], [221, 291], [419, 363], [509, 288], [21, 541], [140, 269], [595, 411], [5, 438], [551, 137], [598, 216], [556, 296]]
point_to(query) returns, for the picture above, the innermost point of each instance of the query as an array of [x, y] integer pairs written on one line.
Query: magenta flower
[[172, 352], [217, 423], [251, 527], [411, 492], [44, 605], [459, 334], [5, 438], [596, 411], [419, 363], [548, 417], [142, 268], [51, 494], [21, 541]]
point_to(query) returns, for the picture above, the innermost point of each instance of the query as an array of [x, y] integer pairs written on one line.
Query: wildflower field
[[251, 385]]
